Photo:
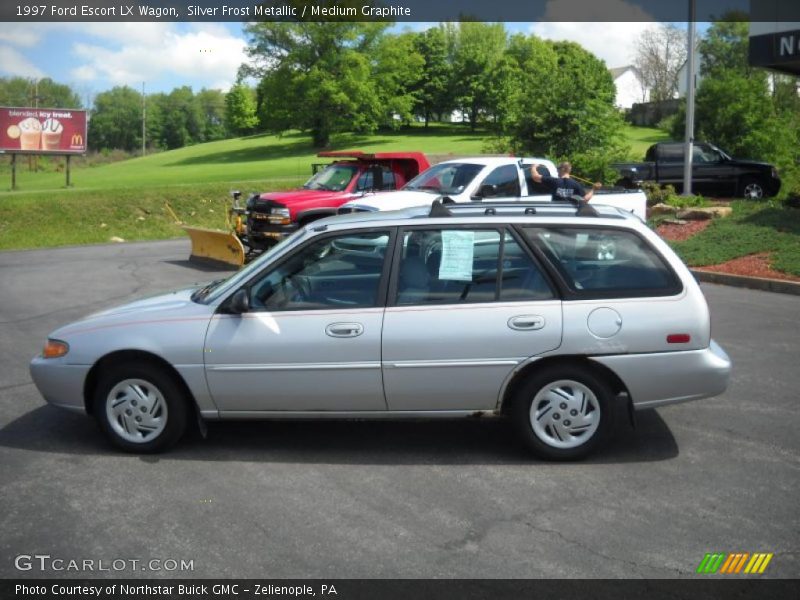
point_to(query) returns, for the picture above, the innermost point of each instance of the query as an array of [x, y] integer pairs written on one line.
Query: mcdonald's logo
[[734, 563], [77, 139]]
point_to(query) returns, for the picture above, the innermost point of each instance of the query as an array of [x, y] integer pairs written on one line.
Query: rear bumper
[[60, 384], [668, 378]]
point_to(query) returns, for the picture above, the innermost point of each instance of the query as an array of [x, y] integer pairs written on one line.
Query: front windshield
[[220, 287], [445, 178], [333, 178], [725, 155]]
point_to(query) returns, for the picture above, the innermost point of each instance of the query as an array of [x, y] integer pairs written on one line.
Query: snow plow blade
[[215, 247]]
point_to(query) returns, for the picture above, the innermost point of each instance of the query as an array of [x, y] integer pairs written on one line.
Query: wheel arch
[[314, 214], [519, 376], [748, 177], [128, 356]]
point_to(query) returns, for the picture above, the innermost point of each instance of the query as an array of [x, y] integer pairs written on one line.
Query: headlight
[[55, 349], [283, 212]]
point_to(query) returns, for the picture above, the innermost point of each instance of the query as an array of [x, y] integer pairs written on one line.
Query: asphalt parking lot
[[404, 499]]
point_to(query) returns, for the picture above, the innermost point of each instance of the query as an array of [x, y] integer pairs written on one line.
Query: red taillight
[[679, 338]]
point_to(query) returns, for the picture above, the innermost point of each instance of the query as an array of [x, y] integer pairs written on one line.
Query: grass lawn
[[641, 138], [254, 158], [128, 199], [754, 227]]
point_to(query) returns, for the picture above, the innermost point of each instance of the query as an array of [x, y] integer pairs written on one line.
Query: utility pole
[[144, 116], [690, 81], [33, 160]]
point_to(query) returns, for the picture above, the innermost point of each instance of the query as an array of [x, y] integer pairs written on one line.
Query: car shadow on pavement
[[466, 441]]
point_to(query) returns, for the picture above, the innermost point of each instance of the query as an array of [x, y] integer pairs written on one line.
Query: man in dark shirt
[[562, 187]]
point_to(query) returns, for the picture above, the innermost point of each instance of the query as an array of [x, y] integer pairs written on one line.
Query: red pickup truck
[[272, 215]]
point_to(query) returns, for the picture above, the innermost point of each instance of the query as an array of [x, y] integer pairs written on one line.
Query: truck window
[[506, 178], [670, 153], [365, 180], [704, 154], [536, 189]]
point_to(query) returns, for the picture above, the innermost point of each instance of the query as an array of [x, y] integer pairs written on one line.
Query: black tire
[[751, 188], [589, 403], [154, 407]]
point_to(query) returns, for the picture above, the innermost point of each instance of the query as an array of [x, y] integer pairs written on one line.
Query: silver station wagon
[[550, 315]]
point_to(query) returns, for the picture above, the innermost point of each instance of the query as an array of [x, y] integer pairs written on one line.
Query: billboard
[[42, 130]]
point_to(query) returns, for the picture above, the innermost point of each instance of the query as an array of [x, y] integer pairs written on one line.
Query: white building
[[630, 87]]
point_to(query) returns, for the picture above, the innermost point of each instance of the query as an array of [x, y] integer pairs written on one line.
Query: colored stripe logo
[[734, 563]]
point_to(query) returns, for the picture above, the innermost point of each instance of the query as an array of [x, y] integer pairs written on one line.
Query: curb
[[755, 283]]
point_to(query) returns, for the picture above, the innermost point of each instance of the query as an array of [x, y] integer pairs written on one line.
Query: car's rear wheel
[[752, 189], [563, 412], [141, 408]]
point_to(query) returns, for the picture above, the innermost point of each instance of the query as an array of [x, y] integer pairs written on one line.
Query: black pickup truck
[[714, 172]]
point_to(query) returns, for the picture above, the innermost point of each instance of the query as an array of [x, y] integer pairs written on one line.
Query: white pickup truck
[[485, 177]]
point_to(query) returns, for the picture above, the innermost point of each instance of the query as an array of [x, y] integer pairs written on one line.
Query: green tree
[[725, 47], [734, 107], [736, 111], [183, 120], [479, 48], [155, 105], [564, 106], [240, 110], [18, 91], [316, 76], [432, 89], [212, 106], [396, 63], [116, 121]]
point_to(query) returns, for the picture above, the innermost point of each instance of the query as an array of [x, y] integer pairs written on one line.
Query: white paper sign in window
[[457, 254]]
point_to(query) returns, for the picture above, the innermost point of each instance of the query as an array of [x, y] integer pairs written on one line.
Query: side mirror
[[236, 194], [486, 191], [239, 303]]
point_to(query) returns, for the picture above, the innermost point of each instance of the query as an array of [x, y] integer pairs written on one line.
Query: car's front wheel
[[141, 408], [752, 189], [563, 412]]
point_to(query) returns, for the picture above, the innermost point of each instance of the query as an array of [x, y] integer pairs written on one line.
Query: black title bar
[[399, 10], [699, 588]]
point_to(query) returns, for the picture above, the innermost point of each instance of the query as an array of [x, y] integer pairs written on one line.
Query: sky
[[93, 57]]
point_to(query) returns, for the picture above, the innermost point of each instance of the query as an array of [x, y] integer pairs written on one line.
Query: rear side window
[[605, 262], [461, 266]]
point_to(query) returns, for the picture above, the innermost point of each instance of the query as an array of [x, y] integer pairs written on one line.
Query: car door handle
[[526, 322], [341, 330]]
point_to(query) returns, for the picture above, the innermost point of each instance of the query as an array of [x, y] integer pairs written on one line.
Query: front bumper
[[258, 229], [670, 377], [60, 384]]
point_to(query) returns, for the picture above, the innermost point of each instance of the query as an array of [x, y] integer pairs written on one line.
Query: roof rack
[[569, 207]]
